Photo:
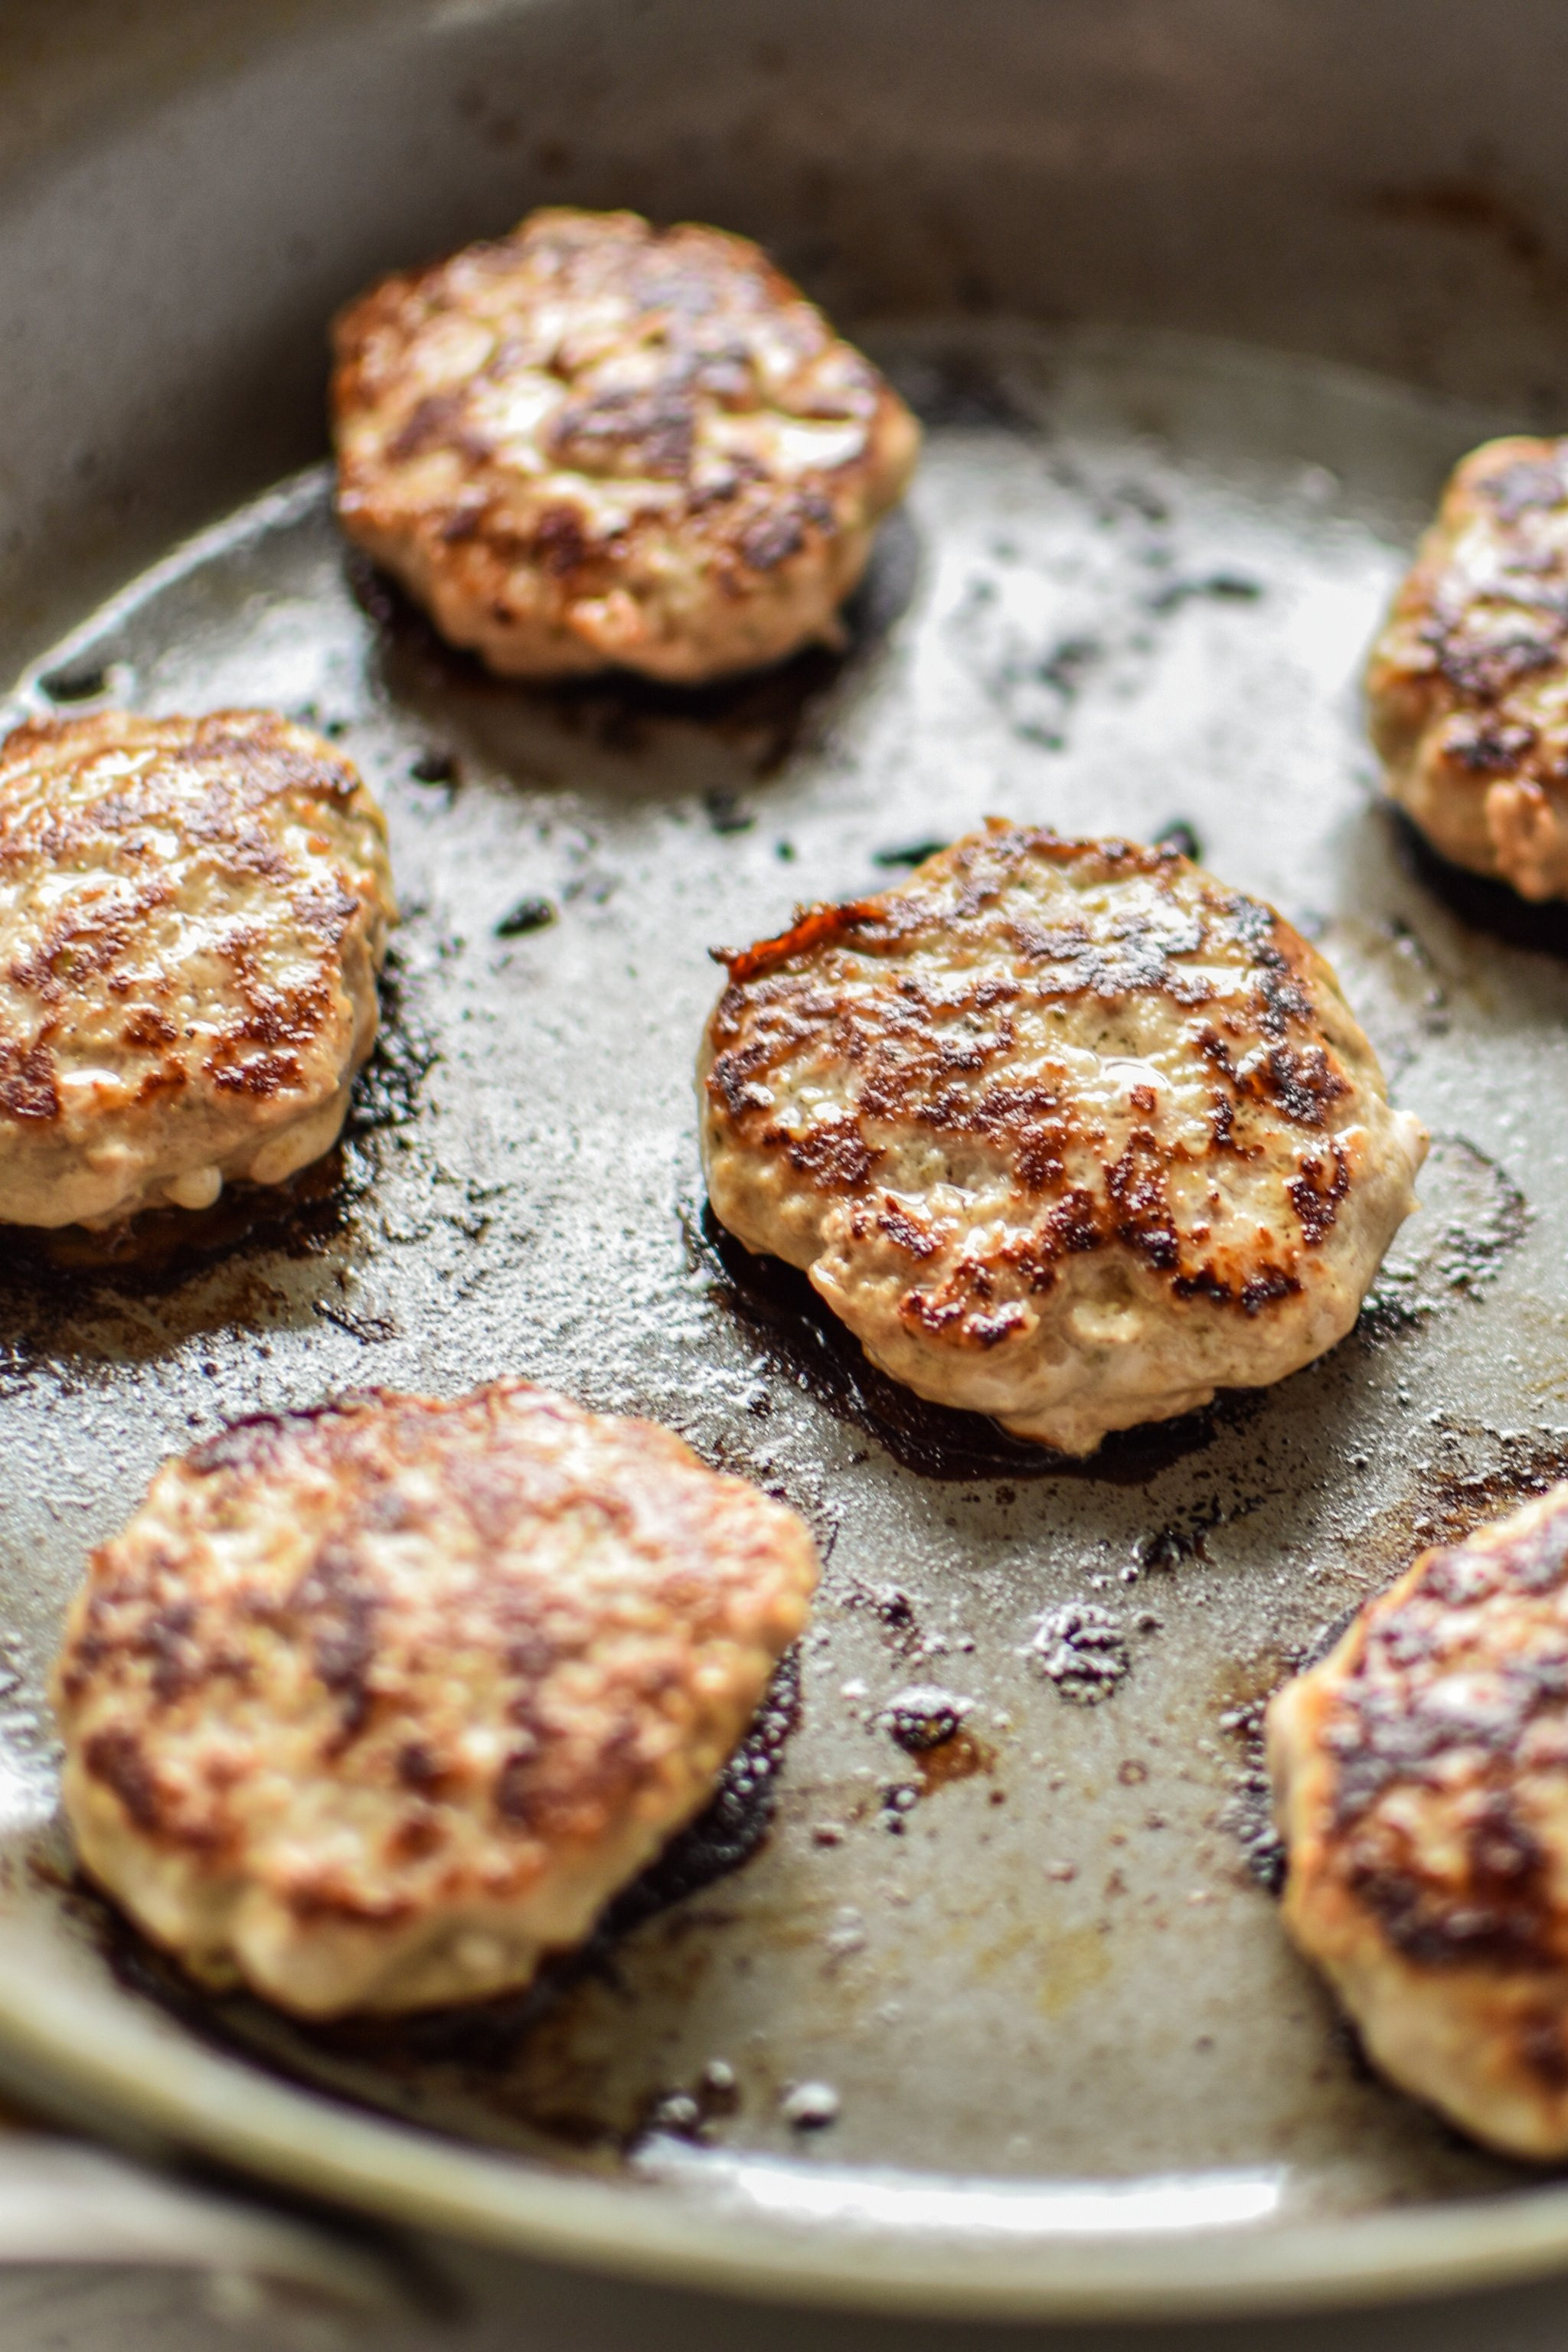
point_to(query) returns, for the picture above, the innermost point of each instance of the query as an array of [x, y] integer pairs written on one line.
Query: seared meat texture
[[597, 444], [1421, 1784], [1467, 685], [193, 914], [1065, 1131], [369, 1707]]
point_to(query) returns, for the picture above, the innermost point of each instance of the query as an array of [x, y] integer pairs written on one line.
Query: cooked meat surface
[[595, 444], [1467, 685], [1421, 1784], [1065, 1131], [192, 913], [369, 1707]]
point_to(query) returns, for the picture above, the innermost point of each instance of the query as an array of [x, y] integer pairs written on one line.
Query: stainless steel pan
[[1199, 300]]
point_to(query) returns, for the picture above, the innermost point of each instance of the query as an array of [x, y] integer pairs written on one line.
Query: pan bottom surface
[[1033, 1980]]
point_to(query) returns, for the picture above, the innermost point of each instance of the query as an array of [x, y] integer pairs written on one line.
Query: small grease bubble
[[810, 2107]]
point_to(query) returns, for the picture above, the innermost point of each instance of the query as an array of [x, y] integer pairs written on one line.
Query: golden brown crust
[[593, 441], [355, 1686], [1064, 1130], [1421, 1778], [193, 912], [1467, 684]]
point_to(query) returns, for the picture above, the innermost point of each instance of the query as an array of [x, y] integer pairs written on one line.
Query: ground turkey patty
[[193, 914], [1467, 685], [1421, 1785], [594, 443], [1065, 1131], [369, 1707]]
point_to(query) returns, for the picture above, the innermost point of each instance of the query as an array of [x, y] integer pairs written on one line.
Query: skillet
[[1199, 301]]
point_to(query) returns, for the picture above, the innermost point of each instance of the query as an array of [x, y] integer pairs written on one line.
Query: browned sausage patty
[[1467, 685], [1065, 1131], [1421, 1783], [596, 443], [369, 1707], [192, 913]]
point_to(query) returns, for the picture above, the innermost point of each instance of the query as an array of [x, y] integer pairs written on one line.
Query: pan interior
[[1132, 592]]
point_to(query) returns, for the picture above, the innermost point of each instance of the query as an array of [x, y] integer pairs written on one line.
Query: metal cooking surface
[[1132, 590]]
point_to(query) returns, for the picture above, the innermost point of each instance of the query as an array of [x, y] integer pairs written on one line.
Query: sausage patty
[[193, 914], [594, 443], [1467, 685], [369, 1707], [1421, 1784], [1065, 1131]]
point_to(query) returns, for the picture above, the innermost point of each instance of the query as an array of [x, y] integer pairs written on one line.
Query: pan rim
[[134, 2080]]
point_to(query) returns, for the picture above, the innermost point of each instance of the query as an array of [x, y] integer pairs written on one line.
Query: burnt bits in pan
[[1473, 1216], [961, 389]]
